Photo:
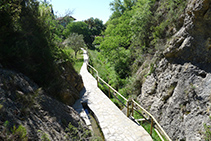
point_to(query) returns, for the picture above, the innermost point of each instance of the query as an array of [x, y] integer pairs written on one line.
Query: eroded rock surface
[[22, 102], [178, 92]]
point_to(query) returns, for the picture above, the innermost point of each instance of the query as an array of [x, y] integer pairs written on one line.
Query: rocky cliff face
[[72, 84], [178, 91], [24, 104]]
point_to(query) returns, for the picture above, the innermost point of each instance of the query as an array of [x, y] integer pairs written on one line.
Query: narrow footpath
[[114, 124]]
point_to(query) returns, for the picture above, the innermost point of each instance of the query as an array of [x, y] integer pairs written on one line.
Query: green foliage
[[135, 31], [104, 67], [17, 134], [88, 28], [44, 136], [207, 133], [166, 18], [152, 69], [20, 133], [147, 127], [1, 106], [26, 45], [75, 41], [119, 7], [96, 26], [28, 101], [98, 40], [141, 22], [29, 42], [115, 45], [77, 62], [81, 28], [77, 133]]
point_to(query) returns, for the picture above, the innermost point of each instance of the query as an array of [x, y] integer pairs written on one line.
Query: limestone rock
[[178, 92]]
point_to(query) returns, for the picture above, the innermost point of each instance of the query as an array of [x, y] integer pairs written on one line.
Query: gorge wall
[[178, 91]]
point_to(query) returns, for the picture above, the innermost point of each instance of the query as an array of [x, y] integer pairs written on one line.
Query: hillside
[[29, 113], [38, 84]]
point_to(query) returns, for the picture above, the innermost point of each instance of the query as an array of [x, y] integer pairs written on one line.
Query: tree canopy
[[96, 26], [75, 41], [136, 29], [30, 42], [88, 28]]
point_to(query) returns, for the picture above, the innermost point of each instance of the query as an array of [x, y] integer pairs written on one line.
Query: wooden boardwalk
[[114, 124]]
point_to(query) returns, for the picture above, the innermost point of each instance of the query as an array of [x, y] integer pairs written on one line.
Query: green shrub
[[1, 106], [17, 134], [44, 136], [29, 43], [207, 133], [20, 133], [77, 133]]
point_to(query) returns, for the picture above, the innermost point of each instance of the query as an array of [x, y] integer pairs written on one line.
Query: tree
[[141, 24], [119, 7], [115, 45], [96, 26], [75, 41], [80, 28]]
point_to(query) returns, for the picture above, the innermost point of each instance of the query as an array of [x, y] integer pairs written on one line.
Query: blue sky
[[83, 9]]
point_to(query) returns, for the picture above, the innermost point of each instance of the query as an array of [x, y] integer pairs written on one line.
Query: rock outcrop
[[23, 103], [178, 91], [72, 84]]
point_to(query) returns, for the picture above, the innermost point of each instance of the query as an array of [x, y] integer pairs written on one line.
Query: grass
[[78, 62], [147, 126]]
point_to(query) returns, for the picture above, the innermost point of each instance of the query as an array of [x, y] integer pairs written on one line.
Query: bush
[[17, 134], [26, 44]]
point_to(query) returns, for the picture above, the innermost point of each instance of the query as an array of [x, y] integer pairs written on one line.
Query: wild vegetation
[[31, 41], [28, 40], [135, 31], [17, 133]]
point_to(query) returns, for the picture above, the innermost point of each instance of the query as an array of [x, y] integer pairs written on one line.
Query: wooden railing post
[[97, 80], [132, 107], [151, 126], [128, 109], [109, 92]]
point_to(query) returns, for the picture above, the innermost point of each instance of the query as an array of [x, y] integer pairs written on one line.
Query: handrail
[[153, 120], [92, 68], [113, 89], [95, 71]]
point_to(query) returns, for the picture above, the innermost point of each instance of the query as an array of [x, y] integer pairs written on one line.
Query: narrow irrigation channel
[[98, 134]]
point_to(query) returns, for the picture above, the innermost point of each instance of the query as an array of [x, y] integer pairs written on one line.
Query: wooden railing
[[133, 106]]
